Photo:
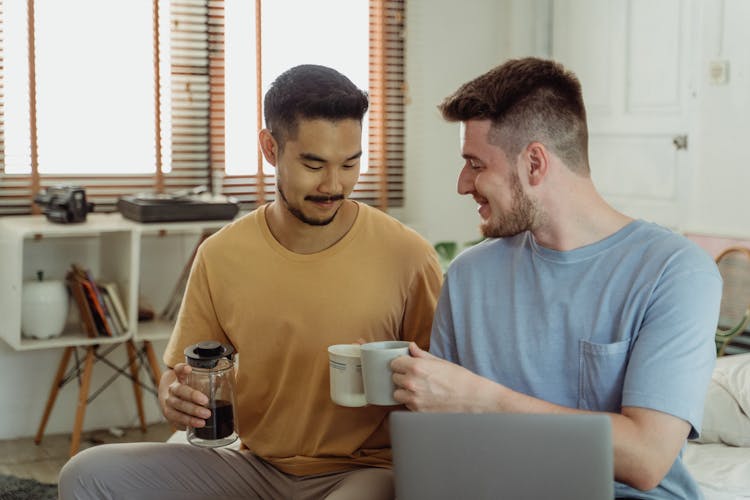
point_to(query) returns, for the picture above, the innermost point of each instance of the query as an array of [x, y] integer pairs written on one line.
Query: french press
[[213, 375]]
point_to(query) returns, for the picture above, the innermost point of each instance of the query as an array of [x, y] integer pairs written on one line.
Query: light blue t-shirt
[[626, 321]]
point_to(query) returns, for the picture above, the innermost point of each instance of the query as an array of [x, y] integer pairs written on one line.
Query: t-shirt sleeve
[[421, 300], [674, 354], [197, 320], [443, 338]]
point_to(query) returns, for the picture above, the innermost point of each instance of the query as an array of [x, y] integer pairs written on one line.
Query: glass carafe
[[213, 375]]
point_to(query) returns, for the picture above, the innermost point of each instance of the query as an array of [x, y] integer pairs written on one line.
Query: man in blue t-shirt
[[568, 306]]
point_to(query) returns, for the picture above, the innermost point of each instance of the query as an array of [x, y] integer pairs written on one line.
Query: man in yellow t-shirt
[[281, 284]]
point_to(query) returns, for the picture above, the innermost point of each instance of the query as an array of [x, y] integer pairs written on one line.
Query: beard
[[300, 215], [518, 219]]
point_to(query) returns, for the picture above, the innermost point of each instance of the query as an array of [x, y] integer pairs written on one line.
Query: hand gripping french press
[[213, 375]]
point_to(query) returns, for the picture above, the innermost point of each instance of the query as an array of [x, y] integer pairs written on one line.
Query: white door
[[633, 58]]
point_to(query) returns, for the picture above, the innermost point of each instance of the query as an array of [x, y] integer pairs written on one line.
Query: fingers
[[402, 364], [183, 405], [400, 380], [405, 398], [418, 352], [184, 411], [186, 393], [182, 370]]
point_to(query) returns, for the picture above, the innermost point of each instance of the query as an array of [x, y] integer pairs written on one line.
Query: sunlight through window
[[338, 37]]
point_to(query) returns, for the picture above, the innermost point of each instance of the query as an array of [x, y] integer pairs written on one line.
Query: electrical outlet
[[718, 72]]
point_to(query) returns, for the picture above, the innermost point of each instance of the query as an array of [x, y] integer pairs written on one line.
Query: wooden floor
[[23, 458]]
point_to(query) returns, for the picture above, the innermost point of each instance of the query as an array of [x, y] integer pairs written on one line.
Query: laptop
[[501, 456]]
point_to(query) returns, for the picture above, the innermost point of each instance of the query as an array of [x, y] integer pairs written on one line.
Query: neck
[[578, 218], [302, 238]]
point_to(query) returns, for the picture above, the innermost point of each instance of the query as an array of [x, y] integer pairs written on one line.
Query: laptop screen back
[[501, 456]]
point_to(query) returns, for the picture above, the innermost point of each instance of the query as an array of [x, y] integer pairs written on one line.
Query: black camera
[[64, 204]]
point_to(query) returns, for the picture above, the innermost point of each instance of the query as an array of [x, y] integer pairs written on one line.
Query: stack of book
[[99, 304]]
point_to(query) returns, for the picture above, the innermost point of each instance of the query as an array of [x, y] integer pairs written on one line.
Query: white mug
[[345, 369], [376, 370]]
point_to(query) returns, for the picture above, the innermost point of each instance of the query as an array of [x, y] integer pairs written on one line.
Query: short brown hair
[[527, 100]]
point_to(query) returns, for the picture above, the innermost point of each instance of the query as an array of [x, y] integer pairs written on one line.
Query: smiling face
[[317, 168], [492, 179]]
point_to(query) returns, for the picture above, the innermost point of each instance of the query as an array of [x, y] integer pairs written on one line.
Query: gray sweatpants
[[165, 471]]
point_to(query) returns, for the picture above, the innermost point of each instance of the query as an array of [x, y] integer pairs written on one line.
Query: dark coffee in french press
[[213, 375]]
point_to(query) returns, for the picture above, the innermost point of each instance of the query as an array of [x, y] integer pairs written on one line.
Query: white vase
[[44, 308]]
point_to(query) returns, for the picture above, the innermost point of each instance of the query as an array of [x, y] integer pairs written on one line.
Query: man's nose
[[465, 181], [331, 182]]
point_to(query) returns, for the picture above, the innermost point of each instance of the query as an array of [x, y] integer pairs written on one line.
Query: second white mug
[[376, 370]]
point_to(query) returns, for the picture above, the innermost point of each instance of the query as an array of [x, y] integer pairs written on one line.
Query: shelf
[[161, 279], [154, 330], [105, 244], [195, 227], [143, 259], [65, 340], [39, 227]]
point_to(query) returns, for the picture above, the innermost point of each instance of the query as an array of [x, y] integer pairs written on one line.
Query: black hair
[[310, 91]]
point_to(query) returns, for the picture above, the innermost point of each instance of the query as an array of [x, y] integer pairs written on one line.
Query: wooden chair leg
[[153, 362], [83, 394], [53, 392], [133, 358]]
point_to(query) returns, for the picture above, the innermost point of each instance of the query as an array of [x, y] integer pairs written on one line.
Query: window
[[341, 42], [94, 105], [92, 118]]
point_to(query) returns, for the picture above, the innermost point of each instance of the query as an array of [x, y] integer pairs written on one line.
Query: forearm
[[645, 442]]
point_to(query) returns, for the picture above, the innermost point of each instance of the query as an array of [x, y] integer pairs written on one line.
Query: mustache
[[324, 199]]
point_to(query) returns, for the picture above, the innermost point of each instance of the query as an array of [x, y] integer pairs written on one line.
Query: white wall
[[720, 188], [447, 43]]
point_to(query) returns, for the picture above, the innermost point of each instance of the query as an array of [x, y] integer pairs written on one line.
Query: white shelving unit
[[105, 244], [165, 251], [144, 260]]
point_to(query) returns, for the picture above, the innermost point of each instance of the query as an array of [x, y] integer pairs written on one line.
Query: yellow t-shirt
[[281, 310]]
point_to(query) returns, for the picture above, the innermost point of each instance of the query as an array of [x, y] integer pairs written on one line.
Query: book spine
[[84, 309], [119, 309], [99, 319], [102, 307]]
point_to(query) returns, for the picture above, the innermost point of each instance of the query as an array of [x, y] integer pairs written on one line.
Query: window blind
[[190, 124], [191, 21], [382, 184]]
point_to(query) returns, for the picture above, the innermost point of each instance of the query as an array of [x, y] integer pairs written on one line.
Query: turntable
[[180, 206]]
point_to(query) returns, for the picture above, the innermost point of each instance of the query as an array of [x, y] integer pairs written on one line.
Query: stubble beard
[[300, 215], [520, 218]]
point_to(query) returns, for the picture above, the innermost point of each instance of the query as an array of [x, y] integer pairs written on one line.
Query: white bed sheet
[[723, 472]]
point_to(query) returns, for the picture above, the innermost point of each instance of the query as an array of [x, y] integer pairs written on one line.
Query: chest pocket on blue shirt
[[601, 374]]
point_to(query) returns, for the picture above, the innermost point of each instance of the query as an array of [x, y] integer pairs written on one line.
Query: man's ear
[[269, 146], [537, 159]]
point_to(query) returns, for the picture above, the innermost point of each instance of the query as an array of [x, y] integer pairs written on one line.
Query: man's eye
[[311, 167], [349, 166]]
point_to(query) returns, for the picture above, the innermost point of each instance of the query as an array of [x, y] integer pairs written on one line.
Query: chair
[[734, 266]]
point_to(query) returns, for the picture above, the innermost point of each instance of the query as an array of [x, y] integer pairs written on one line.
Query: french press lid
[[207, 354]]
